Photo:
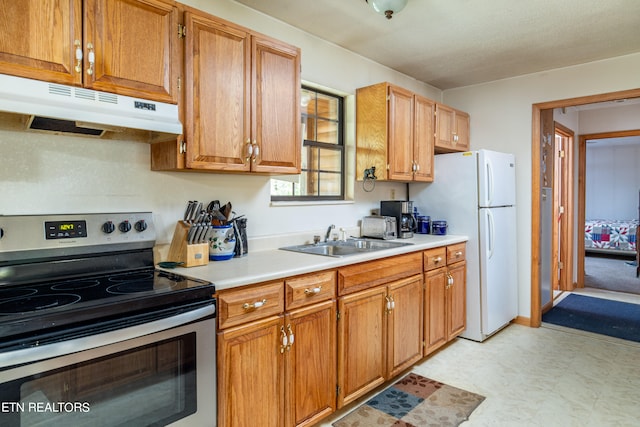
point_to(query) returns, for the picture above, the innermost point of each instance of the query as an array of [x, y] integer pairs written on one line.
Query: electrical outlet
[[393, 194]]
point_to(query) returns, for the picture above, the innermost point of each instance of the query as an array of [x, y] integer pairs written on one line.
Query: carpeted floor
[[611, 273], [597, 315], [414, 401]]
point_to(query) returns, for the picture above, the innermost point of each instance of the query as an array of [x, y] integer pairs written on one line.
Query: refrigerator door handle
[[490, 234], [489, 194]]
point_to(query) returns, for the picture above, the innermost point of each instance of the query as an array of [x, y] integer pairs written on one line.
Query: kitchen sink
[[340, 248]]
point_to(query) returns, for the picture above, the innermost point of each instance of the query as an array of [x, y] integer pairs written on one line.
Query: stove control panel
[[43, 232]]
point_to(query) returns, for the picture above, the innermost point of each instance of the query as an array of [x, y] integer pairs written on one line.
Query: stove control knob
[[140, 226], [124, 226], [108, 227]]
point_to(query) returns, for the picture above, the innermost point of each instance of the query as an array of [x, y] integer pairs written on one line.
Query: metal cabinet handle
[[284, 340], [437, 260], [458, 254], [291, 337], [91, 58], [256, 151], [249, 150], [313, 291], [254, 305], [79, 56]]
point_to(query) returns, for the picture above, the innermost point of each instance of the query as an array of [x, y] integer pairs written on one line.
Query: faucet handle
[[316, 239]]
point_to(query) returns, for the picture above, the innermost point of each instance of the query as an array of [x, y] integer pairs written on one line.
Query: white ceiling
[[453, 43]]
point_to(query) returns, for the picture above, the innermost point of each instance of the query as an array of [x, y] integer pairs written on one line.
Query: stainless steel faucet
[[326, 236]]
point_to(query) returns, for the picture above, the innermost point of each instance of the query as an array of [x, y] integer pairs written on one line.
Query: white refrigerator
[[475, 192]]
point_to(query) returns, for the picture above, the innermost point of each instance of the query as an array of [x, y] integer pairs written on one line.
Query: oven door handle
[[36, 353]]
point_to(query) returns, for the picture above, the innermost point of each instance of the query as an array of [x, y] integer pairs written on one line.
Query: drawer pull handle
[[437, 260], [257, 304], [458, 254], [313, 291]]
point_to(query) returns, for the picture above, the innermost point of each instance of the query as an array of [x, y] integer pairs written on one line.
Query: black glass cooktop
[[54, 304]]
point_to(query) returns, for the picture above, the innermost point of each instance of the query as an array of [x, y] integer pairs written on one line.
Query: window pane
[[309, 128], [308, 102], [330, 184], [330, 160], [327, 107], [327, 131]]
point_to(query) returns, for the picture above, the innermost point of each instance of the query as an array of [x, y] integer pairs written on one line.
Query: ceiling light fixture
[[387, 7]]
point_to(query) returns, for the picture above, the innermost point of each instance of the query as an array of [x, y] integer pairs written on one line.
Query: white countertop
[[261, 266]]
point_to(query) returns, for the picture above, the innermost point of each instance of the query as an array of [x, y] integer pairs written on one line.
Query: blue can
[[424, 224], [439, 228]]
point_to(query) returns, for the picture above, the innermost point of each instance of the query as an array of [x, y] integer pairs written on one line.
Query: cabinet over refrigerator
[[475, 192]]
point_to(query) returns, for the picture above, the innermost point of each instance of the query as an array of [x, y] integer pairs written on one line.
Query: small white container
[[222, 243]]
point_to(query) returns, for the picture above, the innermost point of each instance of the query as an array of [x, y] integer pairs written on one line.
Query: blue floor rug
[[601, 316]]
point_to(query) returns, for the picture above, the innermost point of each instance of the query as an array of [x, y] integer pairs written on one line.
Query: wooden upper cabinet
[[276, 137], [452, 130], [134, 45], [394, 133], [119, 46], [242, 99], [37, 39], [423, 142], [217, 94], [401, 159]]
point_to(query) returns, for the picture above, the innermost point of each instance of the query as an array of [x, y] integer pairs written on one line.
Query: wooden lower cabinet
[[310, 364], [457, 298], [379, 335], [279, 371], [251, 374], [362, 343], [445, 305]]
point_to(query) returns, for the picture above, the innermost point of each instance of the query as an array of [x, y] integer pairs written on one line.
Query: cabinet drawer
[[310, 288], [456, 253], [361, 276], [435, 258], [245, 305]]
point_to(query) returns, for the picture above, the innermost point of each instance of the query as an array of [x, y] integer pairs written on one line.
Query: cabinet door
[[444, 127], [276, 107], [362, 343], [311, 364], [456, 300], [461, 137], [251, 375], [217, 93], [37, 39], [134, 45], [405, 324], [423, 142], [400, 134], [435, 309]]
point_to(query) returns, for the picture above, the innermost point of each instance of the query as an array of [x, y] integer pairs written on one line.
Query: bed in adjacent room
[[611, 236]]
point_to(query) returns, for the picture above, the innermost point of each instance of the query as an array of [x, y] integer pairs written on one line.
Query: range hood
[[68, 109]]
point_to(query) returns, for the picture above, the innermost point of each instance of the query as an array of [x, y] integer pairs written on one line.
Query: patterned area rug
[[414, 401]]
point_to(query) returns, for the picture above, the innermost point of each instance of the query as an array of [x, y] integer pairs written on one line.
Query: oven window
[[151, 385]]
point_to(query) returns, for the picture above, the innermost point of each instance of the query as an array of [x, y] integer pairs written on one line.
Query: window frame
[[340, 147]]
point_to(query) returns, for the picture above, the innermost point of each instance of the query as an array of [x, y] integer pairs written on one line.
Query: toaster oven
[[378, 227]]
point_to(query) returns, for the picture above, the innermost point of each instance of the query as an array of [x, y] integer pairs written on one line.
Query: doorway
[[539, 161], [582, 199]]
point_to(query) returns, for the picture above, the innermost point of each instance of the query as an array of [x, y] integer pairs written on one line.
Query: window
[[322, 176]]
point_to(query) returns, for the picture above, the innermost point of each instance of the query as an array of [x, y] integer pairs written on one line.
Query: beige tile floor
[[544, 376]]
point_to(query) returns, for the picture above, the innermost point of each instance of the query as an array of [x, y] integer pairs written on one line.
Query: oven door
[[136, 378]]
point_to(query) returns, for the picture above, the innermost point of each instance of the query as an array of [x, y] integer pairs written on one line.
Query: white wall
[[501, 113], [613, 181], [57, 174]]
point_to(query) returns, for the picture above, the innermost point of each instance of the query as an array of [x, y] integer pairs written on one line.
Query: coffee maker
[[403, 212]]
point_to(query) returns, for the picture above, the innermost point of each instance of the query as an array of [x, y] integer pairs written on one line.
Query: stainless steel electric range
[[92, 333]]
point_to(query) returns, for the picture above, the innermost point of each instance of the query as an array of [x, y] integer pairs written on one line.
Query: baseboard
[[521, 320]]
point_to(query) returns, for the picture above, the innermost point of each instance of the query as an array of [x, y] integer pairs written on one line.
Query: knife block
[[180, 251]]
